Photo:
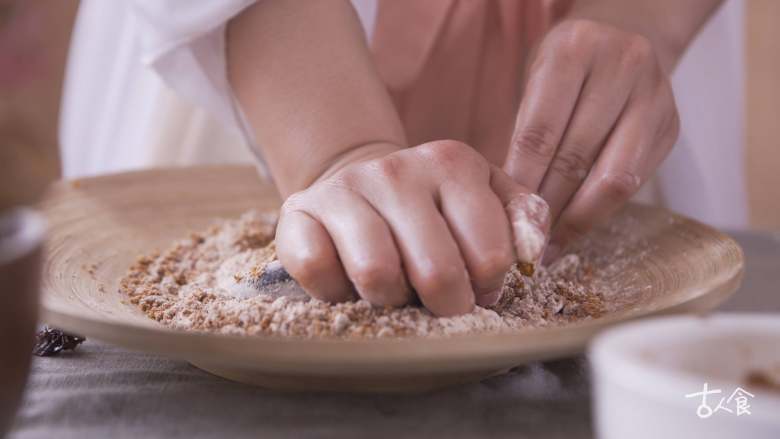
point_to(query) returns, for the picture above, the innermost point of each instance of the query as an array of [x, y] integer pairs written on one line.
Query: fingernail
[[490, 298], [530, 216], [395, 294], [551, 253]]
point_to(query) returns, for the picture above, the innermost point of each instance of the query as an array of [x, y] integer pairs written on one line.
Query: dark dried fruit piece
[[273, 273], [526, 268], [51, 341]]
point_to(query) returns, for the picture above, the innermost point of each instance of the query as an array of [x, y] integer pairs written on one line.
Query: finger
[[479, 224], [528, 214], [550, 95], [429, 253], [365, 247], [644, 135], [602, 99], [307, 252]]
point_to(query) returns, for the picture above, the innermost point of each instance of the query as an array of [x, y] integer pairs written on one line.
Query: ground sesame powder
[[181, 287]]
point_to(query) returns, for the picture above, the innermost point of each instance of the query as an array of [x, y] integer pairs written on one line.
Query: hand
[[597, 118], [436, 218]]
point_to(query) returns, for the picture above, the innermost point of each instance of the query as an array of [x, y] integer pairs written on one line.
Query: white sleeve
[[184, 43]]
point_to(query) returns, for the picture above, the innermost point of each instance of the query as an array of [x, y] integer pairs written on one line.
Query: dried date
[[51, 341]]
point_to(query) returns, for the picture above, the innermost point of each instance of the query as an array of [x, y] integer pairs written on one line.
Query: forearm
[[670, 25], [306, 82]]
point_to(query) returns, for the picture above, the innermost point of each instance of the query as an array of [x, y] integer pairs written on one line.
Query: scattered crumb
[[91, 269]]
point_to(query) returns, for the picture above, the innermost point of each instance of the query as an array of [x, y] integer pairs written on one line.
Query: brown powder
[[180, 287]]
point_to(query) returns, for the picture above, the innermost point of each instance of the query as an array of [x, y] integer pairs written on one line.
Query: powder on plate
[[183, 287]]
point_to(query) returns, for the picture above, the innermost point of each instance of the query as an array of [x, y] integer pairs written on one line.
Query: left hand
[[596, 119]]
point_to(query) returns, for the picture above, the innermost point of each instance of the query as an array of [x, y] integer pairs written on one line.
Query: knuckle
[[447, 151], [583, 29], [568, 51], [307, 267], [390, 168], [638, 50], [576, 36], [571, 164], [348, 178], [373, 276], [619, 186], [536, 141], [491, 266], [439, 280], [457, 160], [293, 203]]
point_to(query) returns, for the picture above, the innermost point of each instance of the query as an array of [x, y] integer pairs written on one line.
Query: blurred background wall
[[34, 41], [727, 87]]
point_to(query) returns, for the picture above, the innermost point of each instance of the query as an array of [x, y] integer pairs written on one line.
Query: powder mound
[[184, 287]]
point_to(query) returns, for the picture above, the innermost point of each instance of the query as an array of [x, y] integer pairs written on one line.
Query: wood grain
[[100, 225]]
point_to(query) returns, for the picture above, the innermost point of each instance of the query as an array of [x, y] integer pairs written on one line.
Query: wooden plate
[[98, 226]]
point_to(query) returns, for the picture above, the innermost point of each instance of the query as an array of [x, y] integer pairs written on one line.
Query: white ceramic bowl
[[646, 376]]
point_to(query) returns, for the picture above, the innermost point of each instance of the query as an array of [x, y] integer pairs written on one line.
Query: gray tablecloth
[[102, 391]]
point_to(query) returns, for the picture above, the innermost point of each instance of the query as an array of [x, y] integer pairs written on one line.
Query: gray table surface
[[105, 391]]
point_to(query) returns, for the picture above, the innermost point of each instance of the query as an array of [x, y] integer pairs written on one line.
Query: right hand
[[437, 218]]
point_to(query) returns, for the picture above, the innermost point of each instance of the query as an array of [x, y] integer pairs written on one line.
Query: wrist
[[360, 153]]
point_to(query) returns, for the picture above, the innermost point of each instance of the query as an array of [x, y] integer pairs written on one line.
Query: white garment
[[704, 176], [146, 86]]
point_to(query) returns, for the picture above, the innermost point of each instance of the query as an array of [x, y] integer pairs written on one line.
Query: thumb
[[529, 216]]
